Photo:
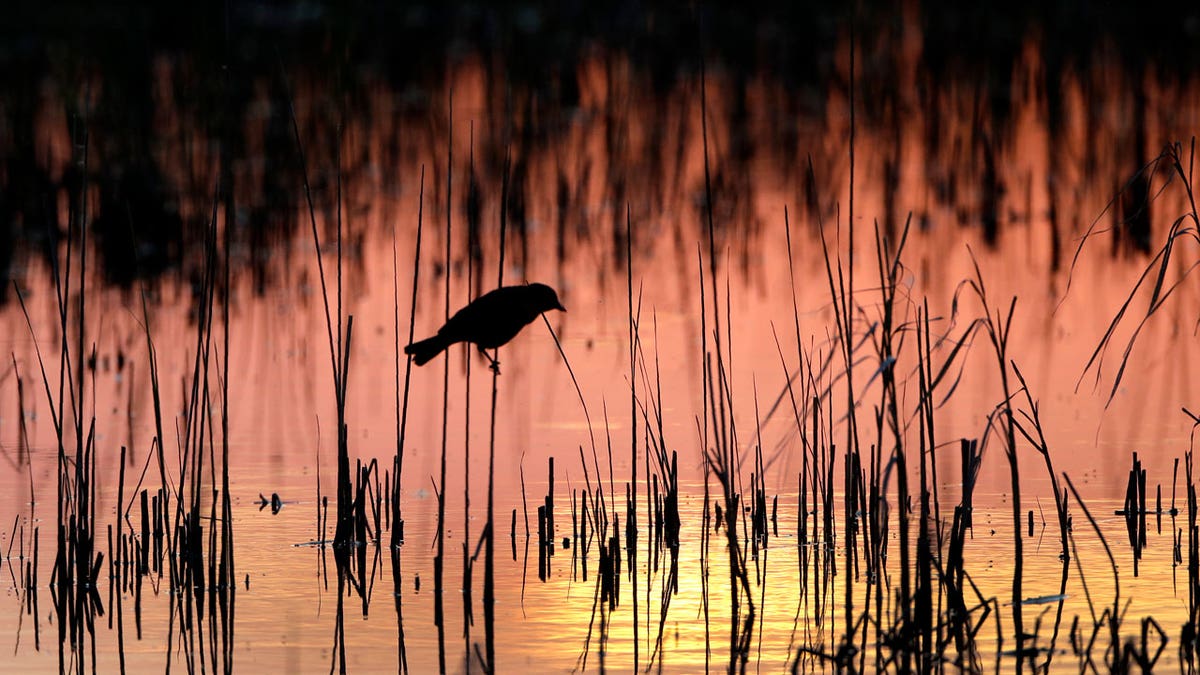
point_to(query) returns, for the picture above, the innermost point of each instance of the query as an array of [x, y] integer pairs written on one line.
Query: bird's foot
[[493, 364]]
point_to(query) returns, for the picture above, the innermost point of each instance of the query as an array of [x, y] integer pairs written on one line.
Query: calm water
[[615, 164]]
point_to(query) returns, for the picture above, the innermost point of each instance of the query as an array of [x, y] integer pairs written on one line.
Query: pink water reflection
[[282, 399]]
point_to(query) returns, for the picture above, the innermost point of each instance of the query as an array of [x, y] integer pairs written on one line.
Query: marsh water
[[755, 226]]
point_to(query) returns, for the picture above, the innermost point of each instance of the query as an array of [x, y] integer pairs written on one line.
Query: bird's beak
[[560, 307]]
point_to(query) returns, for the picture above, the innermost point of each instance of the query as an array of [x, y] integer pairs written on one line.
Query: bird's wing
[[468, 322]]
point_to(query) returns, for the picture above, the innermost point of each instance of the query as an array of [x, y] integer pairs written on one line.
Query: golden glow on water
[[282, 405]]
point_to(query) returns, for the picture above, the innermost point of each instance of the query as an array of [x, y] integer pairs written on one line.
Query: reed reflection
[[853, 520], [994, 142]]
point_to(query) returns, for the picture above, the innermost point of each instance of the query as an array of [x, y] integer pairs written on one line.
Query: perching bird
[[489, 321]]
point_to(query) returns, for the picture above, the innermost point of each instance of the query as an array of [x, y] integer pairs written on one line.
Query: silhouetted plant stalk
[[397, 521], [339, 348], [1170, 165], [439, 557], [589, 520], [226, 573], [888, 340], [721, 452], [397, 533], [843, 299], [204, 571], [358, 500], [1189, 641], [811, 371], [631, 531], [1109, 620], [27, 584], [199, 565], [468, 562], [489, 562], [998, 328], [77, 562], [1030, 427], [662, 517], [907, 606], [607, 531]]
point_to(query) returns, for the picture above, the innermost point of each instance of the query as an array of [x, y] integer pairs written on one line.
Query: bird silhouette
[[491, 320]]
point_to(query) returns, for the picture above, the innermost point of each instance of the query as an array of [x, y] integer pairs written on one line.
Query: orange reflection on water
[[626, 152]]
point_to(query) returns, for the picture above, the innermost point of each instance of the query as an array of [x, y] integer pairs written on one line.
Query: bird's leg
[[493, 363]]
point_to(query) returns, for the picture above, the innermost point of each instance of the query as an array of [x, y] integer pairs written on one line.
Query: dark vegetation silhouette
[[882, 543], [152, 190]]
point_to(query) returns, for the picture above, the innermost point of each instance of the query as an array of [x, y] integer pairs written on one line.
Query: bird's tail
[[424, 351]]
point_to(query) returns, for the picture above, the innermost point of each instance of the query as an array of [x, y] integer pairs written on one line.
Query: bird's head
[[543, 298]]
